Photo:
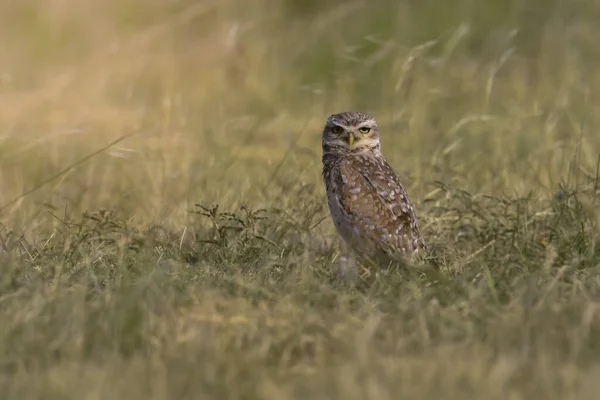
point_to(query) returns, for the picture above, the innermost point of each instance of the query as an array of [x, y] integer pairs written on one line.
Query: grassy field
[[164, 232]]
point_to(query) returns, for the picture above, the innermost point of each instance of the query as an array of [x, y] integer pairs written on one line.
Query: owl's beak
[[351, 138]]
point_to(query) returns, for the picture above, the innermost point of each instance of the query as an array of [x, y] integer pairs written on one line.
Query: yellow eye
[[364, 129], [337, 129]]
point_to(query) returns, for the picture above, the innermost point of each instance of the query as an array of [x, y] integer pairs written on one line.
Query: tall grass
[[164, 232]]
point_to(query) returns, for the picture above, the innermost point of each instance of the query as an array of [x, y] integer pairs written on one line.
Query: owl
[[369, 206]]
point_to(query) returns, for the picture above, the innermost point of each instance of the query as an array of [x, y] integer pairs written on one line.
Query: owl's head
[[350, 132]]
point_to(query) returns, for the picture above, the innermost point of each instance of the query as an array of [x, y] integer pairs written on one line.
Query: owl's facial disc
[[353, 136]]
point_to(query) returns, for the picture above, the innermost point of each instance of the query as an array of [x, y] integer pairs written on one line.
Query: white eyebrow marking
[[341, 125]]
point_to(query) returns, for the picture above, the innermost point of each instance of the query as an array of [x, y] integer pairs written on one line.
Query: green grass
[[195, 258]]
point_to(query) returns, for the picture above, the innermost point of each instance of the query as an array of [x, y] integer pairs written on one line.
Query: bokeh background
[[223, 97], [118, 117]]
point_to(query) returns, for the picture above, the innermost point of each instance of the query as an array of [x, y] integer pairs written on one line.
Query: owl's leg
[[347, 265]]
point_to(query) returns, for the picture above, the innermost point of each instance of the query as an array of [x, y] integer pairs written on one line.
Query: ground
[[164, 231]]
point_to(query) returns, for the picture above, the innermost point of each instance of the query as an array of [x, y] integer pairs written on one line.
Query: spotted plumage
[[369, 206]]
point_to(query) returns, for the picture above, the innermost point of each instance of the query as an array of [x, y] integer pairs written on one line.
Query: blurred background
[[225, 100]]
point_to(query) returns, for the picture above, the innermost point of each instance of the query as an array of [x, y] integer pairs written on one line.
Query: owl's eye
[[364, 129], [337, 129]]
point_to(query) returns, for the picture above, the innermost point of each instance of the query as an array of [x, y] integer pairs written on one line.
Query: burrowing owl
[[369, 206]]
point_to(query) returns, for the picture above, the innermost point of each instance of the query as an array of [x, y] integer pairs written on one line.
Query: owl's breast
[[344, 223]]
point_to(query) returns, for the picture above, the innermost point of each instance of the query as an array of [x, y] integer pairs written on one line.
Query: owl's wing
[[376, 200]]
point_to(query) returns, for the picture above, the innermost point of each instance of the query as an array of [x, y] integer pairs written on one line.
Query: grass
[[164, 232]]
